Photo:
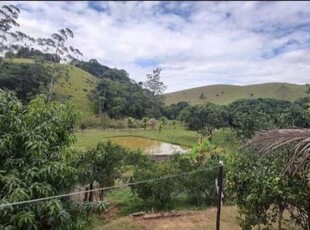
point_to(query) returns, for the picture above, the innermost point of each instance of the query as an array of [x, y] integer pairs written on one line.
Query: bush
[[118, 124], [34, 163], [90, 122], [198, 187], [158, 192], [262, 192]]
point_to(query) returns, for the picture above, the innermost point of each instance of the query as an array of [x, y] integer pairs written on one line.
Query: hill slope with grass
[[225, 94], [76, 87]]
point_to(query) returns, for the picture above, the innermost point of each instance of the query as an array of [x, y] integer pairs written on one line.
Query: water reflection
[[148, 146]]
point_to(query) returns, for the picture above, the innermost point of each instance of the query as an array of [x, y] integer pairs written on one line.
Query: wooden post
[[219, 195]]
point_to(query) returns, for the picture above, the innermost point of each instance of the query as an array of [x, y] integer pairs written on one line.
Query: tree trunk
[[86, 194], [50, 91], [91, 193], [281, 210], [101, 196]]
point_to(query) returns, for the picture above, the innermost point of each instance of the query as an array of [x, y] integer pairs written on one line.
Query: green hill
[[225, 94], [76, 87]]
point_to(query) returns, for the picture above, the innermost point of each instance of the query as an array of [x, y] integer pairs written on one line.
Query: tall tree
[[154, 84], [10, 40], [56, 45]]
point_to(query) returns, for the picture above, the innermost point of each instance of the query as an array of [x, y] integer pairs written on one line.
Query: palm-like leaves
[[299, 161]]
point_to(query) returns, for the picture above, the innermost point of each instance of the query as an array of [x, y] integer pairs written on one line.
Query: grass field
[[77, 87], [180, 136], [225, 94]]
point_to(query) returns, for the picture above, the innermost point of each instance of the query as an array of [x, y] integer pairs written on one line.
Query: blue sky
[[194, 43]]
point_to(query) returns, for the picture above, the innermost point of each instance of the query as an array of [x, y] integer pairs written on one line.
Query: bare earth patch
[[181, 220]]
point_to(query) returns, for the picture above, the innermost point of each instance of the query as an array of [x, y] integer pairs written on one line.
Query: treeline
[[246, 116], [26, 80], [118, 96], [31, 53], [114, 94]]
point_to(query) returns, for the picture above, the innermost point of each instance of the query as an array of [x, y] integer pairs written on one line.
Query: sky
[[194, 43]]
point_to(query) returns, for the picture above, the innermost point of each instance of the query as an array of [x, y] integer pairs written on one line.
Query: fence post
[[219, 195]]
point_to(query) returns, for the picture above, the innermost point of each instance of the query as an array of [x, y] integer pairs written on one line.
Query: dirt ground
[[185, 220]]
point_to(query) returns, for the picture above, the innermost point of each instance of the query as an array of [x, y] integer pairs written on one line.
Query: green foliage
[[246, 116], [101, 164], [56, 44], [102, 71], [130, 122], [159, 192], [262, 192], [26, 80], [26, 52], [199, 187], [250, 116], [173, 111], [145, 122], [34, 141], [121, 99], [210, 116]]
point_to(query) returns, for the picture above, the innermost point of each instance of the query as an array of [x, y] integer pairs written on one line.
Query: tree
[[153, 122], [282, 92], [26, 80], [263, 202], [145, 121], [154, 84], [299, 161], [34, 162], [158, 192], [130, 122], [8, 39], [102, 164], [280, 158], [56, 45], [174, 124], [308, 89], [200, 187]]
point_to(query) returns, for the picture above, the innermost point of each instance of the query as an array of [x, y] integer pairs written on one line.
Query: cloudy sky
[[194, 43]]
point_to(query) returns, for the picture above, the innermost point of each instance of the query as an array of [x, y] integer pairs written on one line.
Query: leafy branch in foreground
[[299, 161]]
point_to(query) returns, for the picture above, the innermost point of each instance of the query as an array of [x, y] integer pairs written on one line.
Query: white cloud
[[195, 43]]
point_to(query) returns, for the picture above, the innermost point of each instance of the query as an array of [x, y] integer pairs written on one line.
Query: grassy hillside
[[225, 94], [76, 87]]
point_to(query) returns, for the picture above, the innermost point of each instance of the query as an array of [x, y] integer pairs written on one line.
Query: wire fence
[[104, 188]]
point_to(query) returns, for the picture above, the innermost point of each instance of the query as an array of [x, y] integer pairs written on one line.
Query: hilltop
[[225, 94]]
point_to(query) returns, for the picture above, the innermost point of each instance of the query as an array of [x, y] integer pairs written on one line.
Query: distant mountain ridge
[[225, 94]]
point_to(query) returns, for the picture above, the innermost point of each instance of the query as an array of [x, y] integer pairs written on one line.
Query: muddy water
[[150, 147]]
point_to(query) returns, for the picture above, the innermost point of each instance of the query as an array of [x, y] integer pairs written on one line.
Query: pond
[[149, 147]]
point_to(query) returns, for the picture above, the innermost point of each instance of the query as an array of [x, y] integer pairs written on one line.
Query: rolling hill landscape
[[225, 94], [127, 155], [80, 82]]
